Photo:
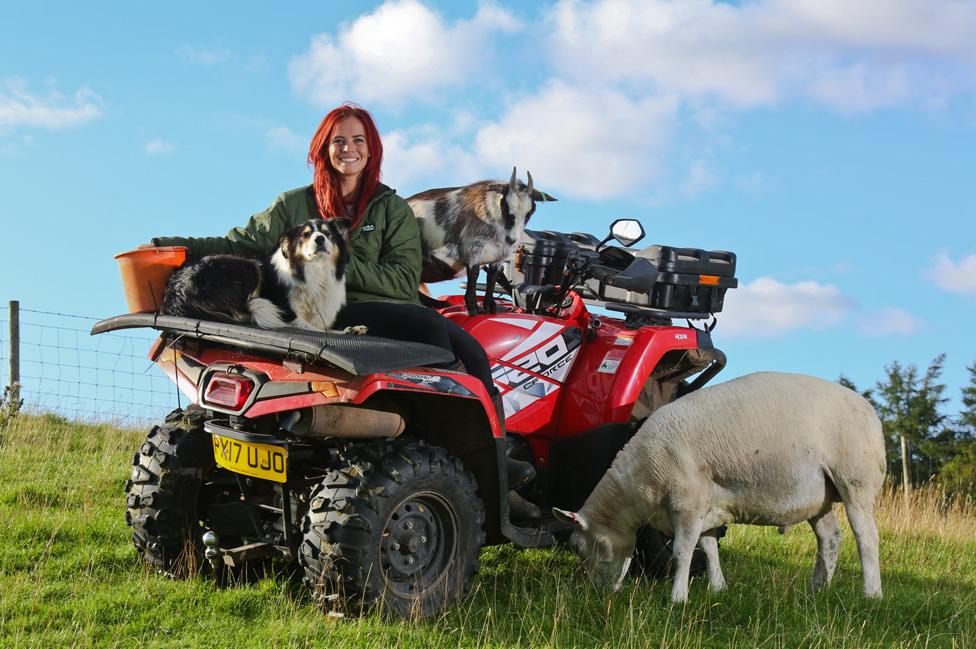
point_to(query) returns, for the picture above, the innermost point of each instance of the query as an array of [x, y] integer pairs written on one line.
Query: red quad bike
[[383, 474]]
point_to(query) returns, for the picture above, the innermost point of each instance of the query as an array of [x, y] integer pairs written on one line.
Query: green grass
[[69, 577]]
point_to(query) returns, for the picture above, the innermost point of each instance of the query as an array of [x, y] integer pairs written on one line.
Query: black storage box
[[540, 258], [690, 260], [688, 281]]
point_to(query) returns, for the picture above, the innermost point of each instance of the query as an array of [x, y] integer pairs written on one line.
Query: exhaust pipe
[[334, 420]]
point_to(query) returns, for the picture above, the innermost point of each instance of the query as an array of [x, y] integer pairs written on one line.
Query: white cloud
[[21, 108], [852, 56], [282, 137], [158, 147], [701, 178], [206, 56], [579, 143], [422, 158], [403, 50], [959, 278], [756, 184], [767, 308], [888, 321]]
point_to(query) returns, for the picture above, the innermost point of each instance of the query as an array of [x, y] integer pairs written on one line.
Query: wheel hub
[[418, 541]]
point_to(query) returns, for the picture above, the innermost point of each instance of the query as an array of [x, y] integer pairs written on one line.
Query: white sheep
[[764, 449]]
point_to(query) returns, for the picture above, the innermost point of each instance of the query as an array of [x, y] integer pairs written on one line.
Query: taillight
[[228, 390]]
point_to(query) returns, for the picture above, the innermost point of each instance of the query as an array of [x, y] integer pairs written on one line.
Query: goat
[[464, 228]]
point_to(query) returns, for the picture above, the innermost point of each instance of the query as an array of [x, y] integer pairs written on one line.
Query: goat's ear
[[571, 517], [536, 195]]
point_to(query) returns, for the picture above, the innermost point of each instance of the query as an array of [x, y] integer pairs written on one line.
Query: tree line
[[937, 446]]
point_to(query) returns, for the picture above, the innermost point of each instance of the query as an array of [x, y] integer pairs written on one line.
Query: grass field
[[70, 577]]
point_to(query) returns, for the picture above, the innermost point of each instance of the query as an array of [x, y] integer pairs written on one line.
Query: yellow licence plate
[[257, 460]]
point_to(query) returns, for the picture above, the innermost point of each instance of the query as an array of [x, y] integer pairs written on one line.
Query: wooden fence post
[[904, 469], [13, 390]]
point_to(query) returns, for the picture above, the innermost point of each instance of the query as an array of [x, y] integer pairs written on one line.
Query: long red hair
[[328, 194]]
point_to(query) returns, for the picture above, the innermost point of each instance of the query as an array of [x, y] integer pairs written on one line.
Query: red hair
[[328, 194]]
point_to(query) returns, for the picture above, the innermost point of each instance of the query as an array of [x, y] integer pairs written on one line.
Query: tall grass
[[69, 577]]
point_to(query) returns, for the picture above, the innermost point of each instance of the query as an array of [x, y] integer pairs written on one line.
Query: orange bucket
[[144, 274]]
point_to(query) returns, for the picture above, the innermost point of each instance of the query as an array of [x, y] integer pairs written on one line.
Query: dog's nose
[[320, 240]]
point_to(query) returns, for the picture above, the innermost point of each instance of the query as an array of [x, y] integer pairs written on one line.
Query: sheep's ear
[[571, 517], [513, 183]]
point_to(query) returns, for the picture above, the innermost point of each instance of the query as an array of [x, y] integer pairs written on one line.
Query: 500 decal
[[552, 359]]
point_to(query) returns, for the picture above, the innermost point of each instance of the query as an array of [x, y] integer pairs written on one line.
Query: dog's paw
[[356, 330]]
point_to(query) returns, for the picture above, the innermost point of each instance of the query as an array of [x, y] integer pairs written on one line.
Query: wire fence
[[66, 371]]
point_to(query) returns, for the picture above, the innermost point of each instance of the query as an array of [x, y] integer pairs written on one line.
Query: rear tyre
[[163, 493], [652, 555], [399, 526]]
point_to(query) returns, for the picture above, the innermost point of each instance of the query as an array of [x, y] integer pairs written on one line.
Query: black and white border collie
[[301, 284]]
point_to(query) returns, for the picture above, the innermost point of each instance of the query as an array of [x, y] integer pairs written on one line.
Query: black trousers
[[419, 324]]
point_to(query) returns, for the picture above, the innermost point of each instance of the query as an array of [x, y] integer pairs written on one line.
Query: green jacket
[[384, 249]]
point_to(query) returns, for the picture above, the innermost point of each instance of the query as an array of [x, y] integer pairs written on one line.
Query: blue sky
[[829, 144]]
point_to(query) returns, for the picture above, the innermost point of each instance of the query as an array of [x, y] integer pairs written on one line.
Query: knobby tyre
[[397, 525], [652, 556], [162, 501]]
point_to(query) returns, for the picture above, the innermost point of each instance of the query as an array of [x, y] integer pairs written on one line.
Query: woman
[[383, 276]]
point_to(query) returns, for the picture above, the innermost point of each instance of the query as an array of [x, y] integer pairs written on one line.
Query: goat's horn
[[513, 183], [529, 174]]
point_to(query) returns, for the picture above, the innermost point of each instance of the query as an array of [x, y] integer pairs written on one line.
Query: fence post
[[13, 390], [904, 469]]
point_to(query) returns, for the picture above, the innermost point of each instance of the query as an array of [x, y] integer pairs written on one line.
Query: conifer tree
[[910, 406]]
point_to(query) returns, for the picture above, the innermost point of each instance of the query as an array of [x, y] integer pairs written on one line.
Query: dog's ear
[[284, 245]]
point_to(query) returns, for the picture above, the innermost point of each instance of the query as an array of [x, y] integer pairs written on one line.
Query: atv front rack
[[358, 355]]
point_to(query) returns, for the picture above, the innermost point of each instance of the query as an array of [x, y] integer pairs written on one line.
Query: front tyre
[[163, 493], [398, 525]]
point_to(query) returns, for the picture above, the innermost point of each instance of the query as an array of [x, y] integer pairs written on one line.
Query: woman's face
[[347, 148]]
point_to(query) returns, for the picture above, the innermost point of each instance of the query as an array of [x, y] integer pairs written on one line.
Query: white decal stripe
[[539, 336], [525, 323]]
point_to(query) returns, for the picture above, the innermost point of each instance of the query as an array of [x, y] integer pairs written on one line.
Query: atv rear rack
[[358, 355]]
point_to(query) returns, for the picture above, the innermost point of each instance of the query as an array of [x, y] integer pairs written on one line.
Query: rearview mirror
[[627, 232]]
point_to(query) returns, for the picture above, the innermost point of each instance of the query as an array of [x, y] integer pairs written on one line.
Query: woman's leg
[[409, 322], [419, 324], [470, 352]]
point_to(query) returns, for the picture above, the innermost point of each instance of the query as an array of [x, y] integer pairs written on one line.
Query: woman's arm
[[257, 238]]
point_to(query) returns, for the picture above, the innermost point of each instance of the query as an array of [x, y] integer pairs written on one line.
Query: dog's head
[[316, 241]]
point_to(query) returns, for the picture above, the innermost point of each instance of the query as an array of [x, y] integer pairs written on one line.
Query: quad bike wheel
[[163, 493], [652, 555], [398, 526]]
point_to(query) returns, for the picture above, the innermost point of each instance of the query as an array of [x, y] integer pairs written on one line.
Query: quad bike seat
[[355, 354]]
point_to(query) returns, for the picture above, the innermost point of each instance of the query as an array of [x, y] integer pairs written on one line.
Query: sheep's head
[[605, 552]]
